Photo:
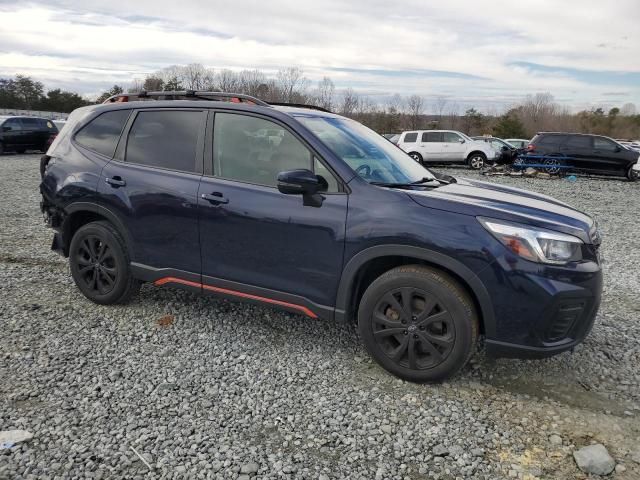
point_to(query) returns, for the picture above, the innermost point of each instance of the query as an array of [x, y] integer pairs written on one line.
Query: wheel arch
[[370, 263], [80, 213], [473, 152]]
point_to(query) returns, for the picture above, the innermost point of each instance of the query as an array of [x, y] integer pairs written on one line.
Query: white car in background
[[518, 142], [446, 146]]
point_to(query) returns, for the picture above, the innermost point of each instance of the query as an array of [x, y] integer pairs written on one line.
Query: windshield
[[369, 155]]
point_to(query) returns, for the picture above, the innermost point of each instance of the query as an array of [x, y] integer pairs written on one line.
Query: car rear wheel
[[418, 323], [633, 175], [553, 165], [476, 160], [417, 157], [100, 264]]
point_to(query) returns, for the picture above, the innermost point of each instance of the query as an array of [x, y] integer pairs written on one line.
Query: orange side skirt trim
[[234, 293]]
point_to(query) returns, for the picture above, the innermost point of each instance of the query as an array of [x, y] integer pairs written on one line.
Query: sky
[[488, 54]]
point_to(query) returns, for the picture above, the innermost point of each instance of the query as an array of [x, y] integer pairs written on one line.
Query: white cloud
[[92, 44]]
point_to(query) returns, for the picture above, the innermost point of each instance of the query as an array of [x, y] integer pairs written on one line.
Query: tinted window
[[411, 137], [102, 133], [550, 140], [579, 141], [31, 123], [254, 150], [603, 144], [432, 137], [450, 137], [13, 123], [165, 139]]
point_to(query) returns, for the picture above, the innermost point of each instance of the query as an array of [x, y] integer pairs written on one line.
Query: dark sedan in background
[[19, 134]]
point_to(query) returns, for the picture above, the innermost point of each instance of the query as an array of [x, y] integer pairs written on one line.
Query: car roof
[[292, 111]]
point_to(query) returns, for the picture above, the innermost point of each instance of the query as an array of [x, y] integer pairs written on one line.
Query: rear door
[[152, 186], [33, 133], [433, 146], [578, 149]]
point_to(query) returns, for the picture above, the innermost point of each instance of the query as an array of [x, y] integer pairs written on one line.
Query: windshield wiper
[[423, 182]]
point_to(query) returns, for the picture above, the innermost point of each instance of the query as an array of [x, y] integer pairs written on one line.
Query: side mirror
[[303, 182], [461, 140]]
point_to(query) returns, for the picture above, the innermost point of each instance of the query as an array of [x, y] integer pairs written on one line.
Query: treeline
[[25, 93], [534, 113]]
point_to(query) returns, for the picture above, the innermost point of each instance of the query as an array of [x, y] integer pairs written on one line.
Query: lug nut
[[415, 336], [405, 332]]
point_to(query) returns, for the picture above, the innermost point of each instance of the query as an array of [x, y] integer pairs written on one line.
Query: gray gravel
[[228, 390]]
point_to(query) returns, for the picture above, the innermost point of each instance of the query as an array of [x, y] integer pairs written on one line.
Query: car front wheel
[[477, 160], [633, 175], [100, 264], [418, 323]]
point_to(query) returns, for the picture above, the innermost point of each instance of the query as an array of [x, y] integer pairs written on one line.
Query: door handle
[[115, 181], [215, 197]]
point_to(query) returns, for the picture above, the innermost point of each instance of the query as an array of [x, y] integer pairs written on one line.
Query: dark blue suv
[[316, 214]]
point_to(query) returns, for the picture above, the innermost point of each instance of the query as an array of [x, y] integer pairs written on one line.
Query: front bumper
[[540, 310]]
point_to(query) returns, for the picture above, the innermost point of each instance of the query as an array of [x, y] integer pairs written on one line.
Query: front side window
[[432, 137], [450, 137], [165, 139], [255, 150], [366, 152], [101, 135], [604, 144]]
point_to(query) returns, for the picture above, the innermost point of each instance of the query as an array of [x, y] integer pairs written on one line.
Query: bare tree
[[152, 84], [415, 107], [439, 105], [395, 104], [292, 84], [197, 77], [227, 81], [350, 101], [324, 93], [250, 82], [537, 111]]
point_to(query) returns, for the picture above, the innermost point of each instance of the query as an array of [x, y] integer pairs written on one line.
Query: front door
[[256, 242], [153, 189], [454, 147], [608, 156]]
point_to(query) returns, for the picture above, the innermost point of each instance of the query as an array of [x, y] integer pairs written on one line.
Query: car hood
[[471, 197]]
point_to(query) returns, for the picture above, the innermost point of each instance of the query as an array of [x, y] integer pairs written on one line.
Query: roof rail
[[188, 94], [300, 105]]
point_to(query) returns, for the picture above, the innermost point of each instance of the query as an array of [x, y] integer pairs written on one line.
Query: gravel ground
[[205, 388]]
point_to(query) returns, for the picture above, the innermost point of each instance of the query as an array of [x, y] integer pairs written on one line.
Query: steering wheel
[[364, 170]]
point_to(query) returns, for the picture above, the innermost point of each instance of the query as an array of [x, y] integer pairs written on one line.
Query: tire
[[476, 160], [553, 165], [417, 157], [99, 243], [633, 175], [428, 346]]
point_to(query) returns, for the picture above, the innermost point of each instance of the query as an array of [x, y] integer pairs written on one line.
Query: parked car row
[[21, 133]]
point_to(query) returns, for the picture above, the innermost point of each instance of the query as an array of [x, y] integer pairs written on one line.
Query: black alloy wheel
[[418, 323], [413, 328], [100, 264]]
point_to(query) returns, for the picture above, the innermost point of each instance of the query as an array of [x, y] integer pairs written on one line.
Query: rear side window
[[31, 123], [432, 137], [102, 133], [549, 140], [579, 141], [411, 137], [165, 139]]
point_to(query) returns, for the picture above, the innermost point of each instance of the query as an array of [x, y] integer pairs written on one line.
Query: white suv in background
[[446, 146]]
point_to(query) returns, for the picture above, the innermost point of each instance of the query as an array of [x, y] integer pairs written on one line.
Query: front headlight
[[537, 245]]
